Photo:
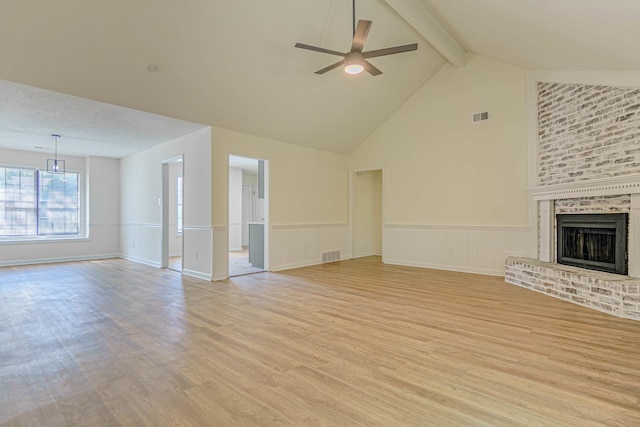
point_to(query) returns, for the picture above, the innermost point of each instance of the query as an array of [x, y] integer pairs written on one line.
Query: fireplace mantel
[[629, 184], [547, 194]]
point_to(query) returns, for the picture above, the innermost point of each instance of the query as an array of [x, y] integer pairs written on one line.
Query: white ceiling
[[547, 34], [232, 63]]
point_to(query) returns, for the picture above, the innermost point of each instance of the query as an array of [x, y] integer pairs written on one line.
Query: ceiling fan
[[355, 61]]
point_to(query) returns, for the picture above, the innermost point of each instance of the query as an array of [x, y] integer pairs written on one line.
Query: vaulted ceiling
[[233, 63]]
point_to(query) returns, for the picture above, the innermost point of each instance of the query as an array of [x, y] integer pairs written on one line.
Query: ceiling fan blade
[[371, 69], [362, 31], [390, 50], [319, 49], [330, 67]]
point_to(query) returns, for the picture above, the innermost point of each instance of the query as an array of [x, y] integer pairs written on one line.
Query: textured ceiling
[[28, 117], [232, 63]]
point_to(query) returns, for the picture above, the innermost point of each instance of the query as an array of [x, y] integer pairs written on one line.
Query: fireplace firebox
[[593, 241]]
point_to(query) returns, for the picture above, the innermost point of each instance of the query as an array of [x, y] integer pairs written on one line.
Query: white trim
[[197, 275], [609, 78], [484, 271], [296, 226], [352, 195], [175, 159], [42, 239], [366, 254], [456, 227], [629, 184], [57, 260], [197, 227], [300, 265], [141, 224], [142, 261]]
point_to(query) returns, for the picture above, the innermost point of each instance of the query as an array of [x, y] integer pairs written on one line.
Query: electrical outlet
[[304, 248], [133, 245], [195, 253]]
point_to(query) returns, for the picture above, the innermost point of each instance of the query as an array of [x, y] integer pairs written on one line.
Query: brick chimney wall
[[587, 132]]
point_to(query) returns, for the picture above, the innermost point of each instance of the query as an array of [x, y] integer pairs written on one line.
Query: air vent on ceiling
[[480, 117]]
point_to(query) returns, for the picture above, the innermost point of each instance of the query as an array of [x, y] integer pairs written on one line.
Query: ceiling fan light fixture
[[353, 69], [354, 63]]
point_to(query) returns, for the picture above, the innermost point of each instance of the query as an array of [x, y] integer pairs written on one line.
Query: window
[[179, 202], [38, 203]]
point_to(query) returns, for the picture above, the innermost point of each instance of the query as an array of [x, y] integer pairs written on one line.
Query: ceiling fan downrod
[[354, 18]]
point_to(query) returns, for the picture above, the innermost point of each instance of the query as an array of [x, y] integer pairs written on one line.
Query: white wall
[[235, 209], [455, 191], [308, 199], [100, 213], [141, 192]]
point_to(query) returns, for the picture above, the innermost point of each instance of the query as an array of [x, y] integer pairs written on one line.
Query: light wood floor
[[345, 344]]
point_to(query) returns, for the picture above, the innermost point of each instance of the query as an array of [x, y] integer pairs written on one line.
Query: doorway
[[366, 213], [248, 215], [172, 213]]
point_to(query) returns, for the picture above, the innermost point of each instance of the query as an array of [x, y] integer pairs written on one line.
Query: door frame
[[164, 211], [267, 209], [352, 196]]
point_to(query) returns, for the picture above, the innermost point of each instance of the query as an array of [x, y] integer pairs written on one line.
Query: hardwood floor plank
[[350, 343]]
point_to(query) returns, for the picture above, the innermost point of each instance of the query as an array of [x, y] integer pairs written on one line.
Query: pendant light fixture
[[54, 165]]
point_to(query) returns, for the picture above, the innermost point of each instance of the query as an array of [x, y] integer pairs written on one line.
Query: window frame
[[82, 234]]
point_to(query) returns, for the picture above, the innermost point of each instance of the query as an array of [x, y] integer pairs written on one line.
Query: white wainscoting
[[101, 244], [220, 253], [301, 245], [235, 236], [197, 257], [481, 250], [142, 243]]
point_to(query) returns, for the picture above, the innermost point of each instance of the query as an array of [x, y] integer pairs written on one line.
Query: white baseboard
[[197, 275], [366, 254], [300, 265], [457, 268], [142, 261]]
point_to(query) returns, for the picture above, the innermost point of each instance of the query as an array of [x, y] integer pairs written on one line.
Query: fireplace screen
[[595, 241]]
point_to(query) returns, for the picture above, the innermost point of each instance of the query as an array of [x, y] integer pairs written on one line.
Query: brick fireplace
[[588, 162]]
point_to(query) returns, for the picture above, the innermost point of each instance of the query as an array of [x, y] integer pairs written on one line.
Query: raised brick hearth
[[611, 293]]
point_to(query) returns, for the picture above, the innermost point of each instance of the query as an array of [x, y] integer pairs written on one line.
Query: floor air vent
[[331, 256]]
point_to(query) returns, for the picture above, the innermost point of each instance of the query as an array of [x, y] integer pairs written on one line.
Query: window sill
[[42, 239]]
